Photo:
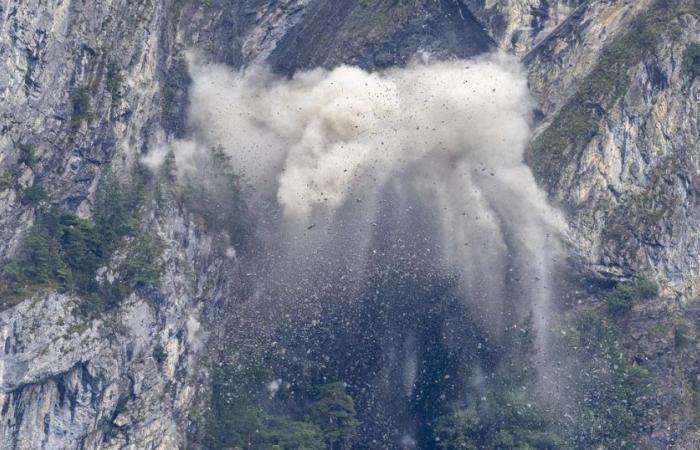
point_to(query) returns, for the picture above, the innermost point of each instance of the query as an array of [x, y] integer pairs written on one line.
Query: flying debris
[[416, 258]]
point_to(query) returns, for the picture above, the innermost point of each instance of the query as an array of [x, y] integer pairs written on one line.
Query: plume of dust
[[454, 131]]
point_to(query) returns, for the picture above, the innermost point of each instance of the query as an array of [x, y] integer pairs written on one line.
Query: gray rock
[[630, 193]]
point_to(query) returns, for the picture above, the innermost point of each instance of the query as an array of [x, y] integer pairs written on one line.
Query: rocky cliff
[[92, 86]]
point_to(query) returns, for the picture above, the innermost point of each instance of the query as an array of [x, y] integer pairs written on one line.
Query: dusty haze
[[442, 141]]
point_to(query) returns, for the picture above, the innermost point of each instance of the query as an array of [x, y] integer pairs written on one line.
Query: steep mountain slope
[[92, 86], [629, 180], [83, 88]]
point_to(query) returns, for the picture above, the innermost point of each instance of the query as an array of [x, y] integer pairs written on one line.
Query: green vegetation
[[243, 410], [114, 79], [506, 416], [215, 196], [578, 120], [612, 400], [32, 195], [625, 295], [235, 419], [691, 60], [9, 179], [64, 252], [289, 434], [614, 393], [5, 181], [26, 154], [371, 19], [159, 354], [495, 426], [491, 400], [80, 101], [334, 413], [680, 336], [169, 168]]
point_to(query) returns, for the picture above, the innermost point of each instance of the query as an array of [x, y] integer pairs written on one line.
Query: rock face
[[69, 382], [519, 25], [623, 215], [629, 180]]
